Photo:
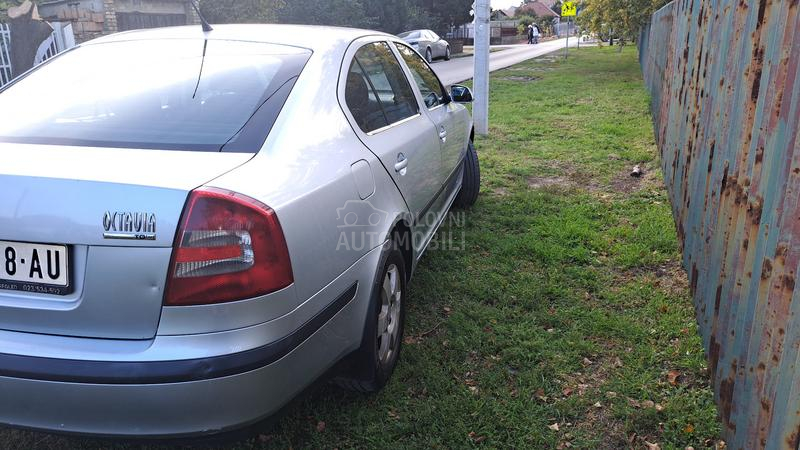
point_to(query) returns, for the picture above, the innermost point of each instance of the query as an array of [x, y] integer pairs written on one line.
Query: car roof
[[315, 38]]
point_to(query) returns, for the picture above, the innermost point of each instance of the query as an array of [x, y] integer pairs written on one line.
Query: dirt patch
[[519, 78], [672, 279], [546, 182], [500, 192], [624, 183]]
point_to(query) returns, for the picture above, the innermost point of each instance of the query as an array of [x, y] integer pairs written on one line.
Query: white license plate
[[34, 267]]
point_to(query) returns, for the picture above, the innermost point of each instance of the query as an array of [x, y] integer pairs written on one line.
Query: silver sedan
[[427, 43], [196, 226]]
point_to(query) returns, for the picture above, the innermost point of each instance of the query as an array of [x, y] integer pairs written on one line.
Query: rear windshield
[[410, 35], [166, 94]]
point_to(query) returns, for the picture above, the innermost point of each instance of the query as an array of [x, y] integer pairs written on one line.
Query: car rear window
[[174, 94], [410, 35]]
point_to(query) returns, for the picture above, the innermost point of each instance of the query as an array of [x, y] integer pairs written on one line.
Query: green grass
[[567, 293]]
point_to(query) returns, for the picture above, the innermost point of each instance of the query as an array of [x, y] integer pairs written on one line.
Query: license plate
[[34, 268]]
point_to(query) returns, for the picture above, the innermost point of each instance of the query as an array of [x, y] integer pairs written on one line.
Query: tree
[[343, 13], [4, 5], [622, 19], [241, 11]]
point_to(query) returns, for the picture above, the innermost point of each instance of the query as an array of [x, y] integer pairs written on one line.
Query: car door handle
[[443, 134], [402, 163]]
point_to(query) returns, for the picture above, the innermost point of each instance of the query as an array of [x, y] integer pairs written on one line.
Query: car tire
[[447, 54], [470, 180], [371, 366], [429, 55]]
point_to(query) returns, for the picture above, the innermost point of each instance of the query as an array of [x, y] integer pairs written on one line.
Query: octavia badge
[[129, 225]]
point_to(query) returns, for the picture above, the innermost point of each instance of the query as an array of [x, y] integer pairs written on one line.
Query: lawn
[[559, 315]]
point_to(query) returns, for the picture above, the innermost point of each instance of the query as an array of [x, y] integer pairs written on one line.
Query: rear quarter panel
[[304, 173]]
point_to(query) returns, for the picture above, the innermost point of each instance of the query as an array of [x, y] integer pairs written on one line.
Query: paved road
[[461, 69]]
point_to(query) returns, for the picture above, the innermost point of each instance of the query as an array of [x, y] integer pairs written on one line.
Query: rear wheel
[[429, 55], [372, 364], [470, 180], [447, 54]]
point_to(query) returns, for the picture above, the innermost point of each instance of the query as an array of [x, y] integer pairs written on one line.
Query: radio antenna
[[203, 21]]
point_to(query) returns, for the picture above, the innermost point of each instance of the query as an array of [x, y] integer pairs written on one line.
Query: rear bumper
[[177, 371], [187, 397]]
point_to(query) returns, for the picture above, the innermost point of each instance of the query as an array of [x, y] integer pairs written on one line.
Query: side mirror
[[460, 94]]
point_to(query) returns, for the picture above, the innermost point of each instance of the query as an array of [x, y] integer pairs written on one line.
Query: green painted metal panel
[[725, 87]]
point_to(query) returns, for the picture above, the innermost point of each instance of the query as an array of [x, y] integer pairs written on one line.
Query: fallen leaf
[[410, 340], [320, 426], [659, 408], [393, 414], [564, 445], [553, 427], [689, 448], [651, 446], [648, 404], [689, 429], [540, 395], [598, 405], [567, 392], [447, 310], [476, 438], [673, 377], [611, 394], [634, 403], [551, 330], [617, 362], [587, 362], [473, 389]]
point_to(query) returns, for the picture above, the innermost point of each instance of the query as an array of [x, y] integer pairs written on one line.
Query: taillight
[[229, 247]]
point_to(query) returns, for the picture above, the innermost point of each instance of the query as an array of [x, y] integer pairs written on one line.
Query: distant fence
[[725, 82], [5, 54]]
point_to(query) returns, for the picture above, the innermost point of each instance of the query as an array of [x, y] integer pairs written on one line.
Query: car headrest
[[357, 92]]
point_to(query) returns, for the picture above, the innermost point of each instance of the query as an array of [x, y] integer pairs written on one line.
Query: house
[[93, 18], [540, 8], [504, 14]]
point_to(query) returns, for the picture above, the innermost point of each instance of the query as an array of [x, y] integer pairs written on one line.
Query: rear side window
[[377, 92], [429, 85], [176, 94]]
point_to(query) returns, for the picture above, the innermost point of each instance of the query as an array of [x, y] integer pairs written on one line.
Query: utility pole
[[483, 33]]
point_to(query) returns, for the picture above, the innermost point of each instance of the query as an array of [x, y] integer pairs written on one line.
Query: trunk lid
[[115, 211]]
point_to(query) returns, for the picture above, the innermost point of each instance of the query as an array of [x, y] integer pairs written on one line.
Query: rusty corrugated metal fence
[[725, 86]]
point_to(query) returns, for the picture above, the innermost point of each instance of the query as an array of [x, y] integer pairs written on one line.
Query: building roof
[[537, 9]]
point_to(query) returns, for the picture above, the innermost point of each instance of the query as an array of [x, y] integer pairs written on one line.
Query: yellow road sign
[[568, 9]]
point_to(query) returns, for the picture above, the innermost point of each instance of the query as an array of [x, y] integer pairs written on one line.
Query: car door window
[[429, 85], [377, 92]]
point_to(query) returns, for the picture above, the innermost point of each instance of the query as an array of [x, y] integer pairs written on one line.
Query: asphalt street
[[458, 70]]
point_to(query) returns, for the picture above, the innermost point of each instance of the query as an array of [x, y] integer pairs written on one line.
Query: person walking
[[530, 34], [535, 33]]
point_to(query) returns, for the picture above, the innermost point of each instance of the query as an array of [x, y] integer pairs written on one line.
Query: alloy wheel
[[389, 315]]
